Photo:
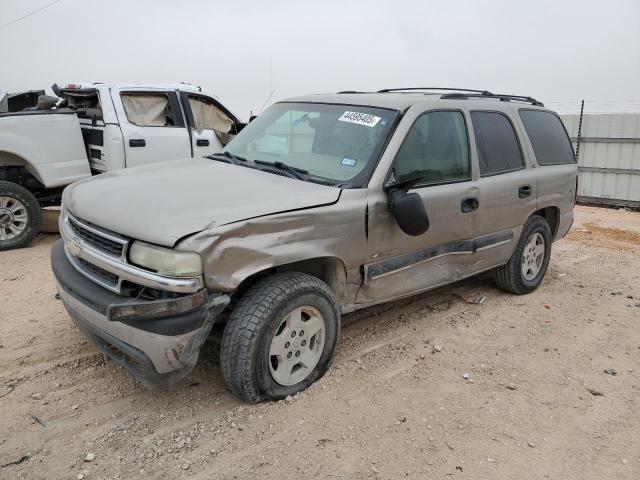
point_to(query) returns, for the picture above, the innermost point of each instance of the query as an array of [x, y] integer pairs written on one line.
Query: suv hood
[[164, 202]]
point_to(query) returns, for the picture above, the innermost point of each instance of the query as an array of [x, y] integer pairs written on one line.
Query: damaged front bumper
[[157, 341]]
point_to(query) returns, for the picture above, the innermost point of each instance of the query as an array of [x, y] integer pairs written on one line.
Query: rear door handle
[[524, 191], [202, 142], [137, 142], [469, 204]]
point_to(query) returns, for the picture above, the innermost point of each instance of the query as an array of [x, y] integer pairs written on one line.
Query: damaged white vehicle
[[90, 129]]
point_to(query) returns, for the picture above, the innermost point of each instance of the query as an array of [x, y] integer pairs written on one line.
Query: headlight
[[165, 261]]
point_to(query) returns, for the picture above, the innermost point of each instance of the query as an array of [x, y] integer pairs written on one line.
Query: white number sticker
[[365, 119]]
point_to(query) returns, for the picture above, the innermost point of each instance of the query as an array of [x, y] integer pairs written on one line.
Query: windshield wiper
[[295, 172], [227, 157]]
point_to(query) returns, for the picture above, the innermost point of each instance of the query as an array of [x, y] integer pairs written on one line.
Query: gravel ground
[[394, 405]]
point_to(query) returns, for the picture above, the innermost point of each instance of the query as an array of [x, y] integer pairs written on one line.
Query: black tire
[[510, 277], [34, 215], [244, 354]]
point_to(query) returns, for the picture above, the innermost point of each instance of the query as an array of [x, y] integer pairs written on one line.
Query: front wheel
[[280, 337], [20, 216], [528, 264]]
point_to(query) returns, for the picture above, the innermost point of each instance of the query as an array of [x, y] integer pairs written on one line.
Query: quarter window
[[148, 109], [435, 150], [548, 137], [496, 143]]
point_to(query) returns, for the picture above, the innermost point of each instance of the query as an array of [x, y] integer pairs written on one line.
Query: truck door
[[211, 125], [436, 151], [153, 126]]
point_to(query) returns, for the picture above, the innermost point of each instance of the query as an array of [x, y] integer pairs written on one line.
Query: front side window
[[548, 137], [148, 109], [336, 142], [496, 142], [435, 150], [207, 116]]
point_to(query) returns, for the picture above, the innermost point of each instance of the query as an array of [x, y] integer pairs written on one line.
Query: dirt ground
[[538, 403]]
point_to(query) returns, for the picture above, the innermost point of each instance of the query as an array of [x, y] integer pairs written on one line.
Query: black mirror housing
[[408, 210]]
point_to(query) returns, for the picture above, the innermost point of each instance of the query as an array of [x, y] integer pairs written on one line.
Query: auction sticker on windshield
[[365, 119]]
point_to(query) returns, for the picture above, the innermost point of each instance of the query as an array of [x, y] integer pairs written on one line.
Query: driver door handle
[[524, 191], [469, 204]]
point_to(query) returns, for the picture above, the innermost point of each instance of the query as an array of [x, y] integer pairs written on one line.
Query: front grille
[[97, 241], [98, 273]]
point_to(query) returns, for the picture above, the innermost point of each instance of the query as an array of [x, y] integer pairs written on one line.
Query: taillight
[[73, 86]]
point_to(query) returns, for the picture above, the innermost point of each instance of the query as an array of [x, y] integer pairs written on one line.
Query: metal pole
[[579, 132]]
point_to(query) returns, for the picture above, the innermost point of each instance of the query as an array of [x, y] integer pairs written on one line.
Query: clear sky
[[559, 51]]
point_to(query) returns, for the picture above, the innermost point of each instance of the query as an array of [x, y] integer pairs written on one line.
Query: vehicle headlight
[[165, 261]]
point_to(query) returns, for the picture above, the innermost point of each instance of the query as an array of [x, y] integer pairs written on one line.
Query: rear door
[[153, 126], [507, 188], [211, 126]]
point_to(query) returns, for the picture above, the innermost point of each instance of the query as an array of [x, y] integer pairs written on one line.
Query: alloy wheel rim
[[13, 218], [533, 256], [297, 345]]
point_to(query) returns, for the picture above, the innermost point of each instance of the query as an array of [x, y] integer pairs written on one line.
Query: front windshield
[[334, 142]]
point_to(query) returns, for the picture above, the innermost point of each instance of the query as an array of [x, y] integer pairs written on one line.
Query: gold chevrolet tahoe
[[322, 205]]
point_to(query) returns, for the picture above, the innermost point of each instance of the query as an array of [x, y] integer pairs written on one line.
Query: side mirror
[[408, 210], [252, 118]]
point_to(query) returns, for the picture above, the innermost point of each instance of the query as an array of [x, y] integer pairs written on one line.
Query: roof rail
[[388, 90], [499, 96]]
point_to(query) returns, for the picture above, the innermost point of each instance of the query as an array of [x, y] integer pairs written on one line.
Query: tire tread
[[245, 323]]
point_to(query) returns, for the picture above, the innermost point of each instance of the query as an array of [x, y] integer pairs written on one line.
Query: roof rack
[[464, 93], [388, 90], [499, 96]]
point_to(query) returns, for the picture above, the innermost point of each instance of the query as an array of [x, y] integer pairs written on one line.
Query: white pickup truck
[[96, 128]]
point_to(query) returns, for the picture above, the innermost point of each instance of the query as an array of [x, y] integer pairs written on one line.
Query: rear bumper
[[565, 223], [158, 349]]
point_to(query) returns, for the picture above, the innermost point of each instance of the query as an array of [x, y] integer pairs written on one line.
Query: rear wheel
[[529, 262], [20, 216], [280, 337]]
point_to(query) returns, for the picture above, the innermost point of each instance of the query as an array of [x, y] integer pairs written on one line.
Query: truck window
[[435, 149], [148, 109], [548, 137], [207, 116], [496, 142], [86, 102]]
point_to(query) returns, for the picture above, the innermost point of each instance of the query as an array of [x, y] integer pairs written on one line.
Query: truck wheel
[[280, 337], [20, 216], [529, 261]]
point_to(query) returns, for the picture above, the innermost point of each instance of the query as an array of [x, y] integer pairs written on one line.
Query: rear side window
[[548, 137], [435, 150], [497, 144], [148, 109]]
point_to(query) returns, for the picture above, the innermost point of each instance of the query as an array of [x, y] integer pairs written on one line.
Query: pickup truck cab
[[97, 128], [322, 205]]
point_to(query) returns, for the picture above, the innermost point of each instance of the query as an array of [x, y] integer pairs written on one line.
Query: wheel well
[[330, 270], [552, 216], [21, 176], [17, 173]]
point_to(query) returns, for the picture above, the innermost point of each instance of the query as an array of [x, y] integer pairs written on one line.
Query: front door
[[211, 126], [153, 127], [436, 149]]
